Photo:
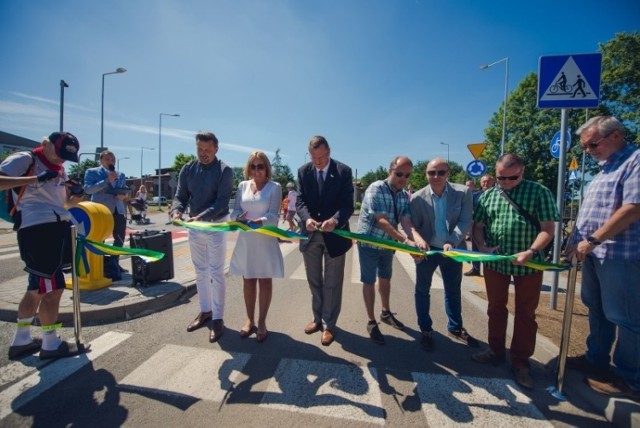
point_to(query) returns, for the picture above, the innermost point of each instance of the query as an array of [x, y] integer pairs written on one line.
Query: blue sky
[[377, 78]]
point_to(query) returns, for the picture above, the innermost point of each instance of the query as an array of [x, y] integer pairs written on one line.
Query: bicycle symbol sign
[[555, 143]]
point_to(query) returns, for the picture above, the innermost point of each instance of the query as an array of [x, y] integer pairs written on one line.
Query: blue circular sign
[[476, 168], [555, 144]]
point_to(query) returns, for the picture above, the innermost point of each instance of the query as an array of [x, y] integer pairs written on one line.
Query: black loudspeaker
[[144, 273]]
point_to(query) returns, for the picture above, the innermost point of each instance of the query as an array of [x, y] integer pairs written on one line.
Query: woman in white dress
[[257, 257]]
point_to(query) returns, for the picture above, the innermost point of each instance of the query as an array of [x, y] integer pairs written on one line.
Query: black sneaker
[[427, 340], [488, 357], [374, 332], [464, 337], [388, 318], [580, 363]]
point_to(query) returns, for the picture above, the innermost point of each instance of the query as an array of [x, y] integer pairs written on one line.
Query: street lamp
[[118, 161], [142, 149], [160, 157], [118, 71], [63, 85], [446, 144], [504, 109]]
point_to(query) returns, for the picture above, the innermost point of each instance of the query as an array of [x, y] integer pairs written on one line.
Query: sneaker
[[66, 349], [374, 332], [582, 364], [15, 352], [472, 272], [426, 341], [614, 388], [388, 318], [464, 337], [522, 377], [488, 357]]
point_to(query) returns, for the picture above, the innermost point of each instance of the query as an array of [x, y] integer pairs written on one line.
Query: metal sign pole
[[77, 326], [556, 390]]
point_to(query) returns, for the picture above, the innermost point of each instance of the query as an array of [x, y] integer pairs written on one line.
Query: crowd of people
[[515, 217]]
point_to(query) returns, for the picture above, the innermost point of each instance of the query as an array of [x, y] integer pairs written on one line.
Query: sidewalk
[[118, 302]]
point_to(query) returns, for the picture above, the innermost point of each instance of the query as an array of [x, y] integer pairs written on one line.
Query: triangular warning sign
[[569, 84], [573, 165], [476, 149]]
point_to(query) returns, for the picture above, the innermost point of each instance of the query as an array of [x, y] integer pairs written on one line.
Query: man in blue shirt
[[607, 241]]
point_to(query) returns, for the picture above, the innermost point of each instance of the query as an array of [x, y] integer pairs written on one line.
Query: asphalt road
[[151, 372]]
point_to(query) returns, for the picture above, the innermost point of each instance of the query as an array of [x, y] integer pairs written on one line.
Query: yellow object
[[476, 149], [573, 165], [93, 221]]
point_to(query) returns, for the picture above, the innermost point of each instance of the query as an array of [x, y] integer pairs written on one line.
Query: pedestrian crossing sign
[[569, 81]]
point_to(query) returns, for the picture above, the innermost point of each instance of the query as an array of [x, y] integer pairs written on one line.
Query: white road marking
[[206, 375], [32, 386], [406, 261], [327, 389], [449, 400]]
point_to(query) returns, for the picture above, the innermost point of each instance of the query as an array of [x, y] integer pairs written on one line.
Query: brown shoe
[[613, 388], [327, 337], [199, 321], [216, 331], [312, 327], [522, 377]]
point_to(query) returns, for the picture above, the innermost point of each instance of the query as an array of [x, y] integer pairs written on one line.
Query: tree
[[280, 173], [530, 130], [77, 170], [181, 160], [620, 89]]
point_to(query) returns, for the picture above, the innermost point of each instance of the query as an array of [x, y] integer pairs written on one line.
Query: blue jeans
[[611, 291], [452, 277]]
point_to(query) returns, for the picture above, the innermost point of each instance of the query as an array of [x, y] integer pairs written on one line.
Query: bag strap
[[524, 213], [23, 188]]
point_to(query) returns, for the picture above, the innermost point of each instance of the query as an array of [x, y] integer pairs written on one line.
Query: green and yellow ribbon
[[102, 249], [236, 226]]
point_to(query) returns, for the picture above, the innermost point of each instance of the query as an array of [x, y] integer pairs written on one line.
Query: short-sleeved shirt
[[617, 184], [379, 199], [41, 202], [510, 230]]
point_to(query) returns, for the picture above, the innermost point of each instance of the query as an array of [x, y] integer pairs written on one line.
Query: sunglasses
[[594, 144], [509, 178], [439, 173], [400, 175], [259, 167]]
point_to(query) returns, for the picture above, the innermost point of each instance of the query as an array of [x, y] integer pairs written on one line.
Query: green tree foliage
[[280, 173], [181, 160], [530, 129], [620, 89], [77, 170]]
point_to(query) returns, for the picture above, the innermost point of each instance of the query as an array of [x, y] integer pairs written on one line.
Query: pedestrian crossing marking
[[31, 387], [345, 391], [194, 372], [449, 400]]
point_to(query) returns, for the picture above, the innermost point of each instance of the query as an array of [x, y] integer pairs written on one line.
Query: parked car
[[156, 199]]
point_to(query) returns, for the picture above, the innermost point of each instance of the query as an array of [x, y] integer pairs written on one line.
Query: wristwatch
[[593, 241]]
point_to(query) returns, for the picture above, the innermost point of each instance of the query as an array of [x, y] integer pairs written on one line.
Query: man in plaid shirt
[[500, 227], [385, 206], [607, 241]]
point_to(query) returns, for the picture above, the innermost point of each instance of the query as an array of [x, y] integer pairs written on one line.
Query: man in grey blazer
[[325, 203], [442, 213]]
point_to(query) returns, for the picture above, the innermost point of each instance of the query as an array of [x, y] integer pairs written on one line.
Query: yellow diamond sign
[[476, 149]]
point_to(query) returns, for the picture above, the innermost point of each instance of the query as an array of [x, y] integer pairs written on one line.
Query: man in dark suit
[[325, 203]]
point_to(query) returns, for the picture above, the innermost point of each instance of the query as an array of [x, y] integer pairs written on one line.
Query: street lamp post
[[142, 149], [446, 144], [119, 70], [63, 85], [118, 161], [160, 157], [504, 108]]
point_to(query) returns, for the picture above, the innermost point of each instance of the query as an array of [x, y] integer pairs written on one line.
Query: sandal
[[246, 333]]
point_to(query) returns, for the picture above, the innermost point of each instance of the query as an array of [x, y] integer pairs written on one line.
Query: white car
[[155, 199]]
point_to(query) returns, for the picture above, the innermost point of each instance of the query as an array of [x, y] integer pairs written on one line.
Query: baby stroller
[[139, 212]]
